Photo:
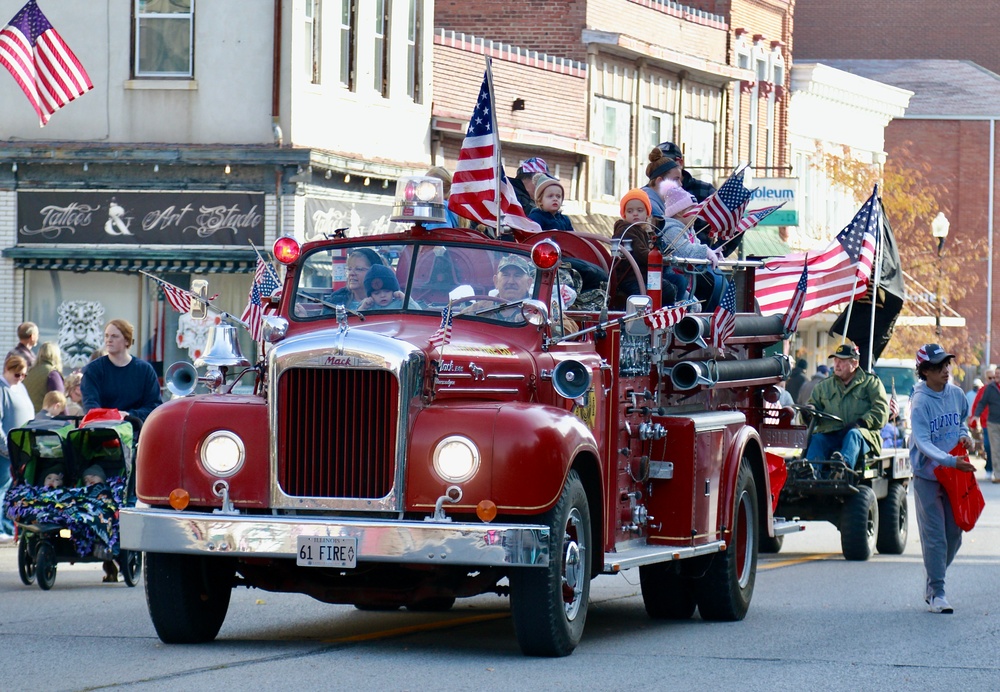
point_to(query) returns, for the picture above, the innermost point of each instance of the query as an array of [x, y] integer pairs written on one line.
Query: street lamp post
[[939, 229]]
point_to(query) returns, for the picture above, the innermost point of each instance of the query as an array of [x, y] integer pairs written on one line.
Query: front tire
[[549, 604], [770, 544], [725, 591], [25, 563], [666, 593], [893, 520], [45, 565], [859, 525], [188, 596]]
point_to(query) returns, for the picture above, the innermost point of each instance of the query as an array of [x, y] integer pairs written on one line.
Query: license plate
[[327, 551]]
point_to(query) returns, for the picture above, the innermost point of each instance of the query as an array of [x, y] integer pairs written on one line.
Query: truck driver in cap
[[513, 281], [858, 399]]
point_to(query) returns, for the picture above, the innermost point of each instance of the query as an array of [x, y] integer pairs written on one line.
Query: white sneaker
[[939, 604], [6, 538]]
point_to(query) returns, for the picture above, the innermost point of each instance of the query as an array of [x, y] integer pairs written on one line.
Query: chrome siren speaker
[[223, 348], [181, 378], [571, 379]]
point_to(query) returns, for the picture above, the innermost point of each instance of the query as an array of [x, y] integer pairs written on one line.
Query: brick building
[[951, 126], [897, 29]]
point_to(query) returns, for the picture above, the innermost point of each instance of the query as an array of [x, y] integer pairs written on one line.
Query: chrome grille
[[337, 432]]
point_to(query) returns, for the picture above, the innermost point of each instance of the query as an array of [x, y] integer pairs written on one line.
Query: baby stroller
[[75, 522]]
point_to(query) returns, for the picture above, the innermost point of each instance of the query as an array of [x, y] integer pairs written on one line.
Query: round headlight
[[222, 453], [456, 459]]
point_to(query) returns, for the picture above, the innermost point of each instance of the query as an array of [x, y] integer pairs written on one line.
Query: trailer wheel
[[724, 592], [549, 604], [771, 545], [45, 565], [859, 525], [893, 520], [188, 596], [666, 594], [130, 565], [25, 563]]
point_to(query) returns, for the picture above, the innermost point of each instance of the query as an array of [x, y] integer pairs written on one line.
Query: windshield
[[480, 282], [905, 378]]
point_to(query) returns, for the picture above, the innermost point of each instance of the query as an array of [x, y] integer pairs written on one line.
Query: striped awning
[[133, 260]]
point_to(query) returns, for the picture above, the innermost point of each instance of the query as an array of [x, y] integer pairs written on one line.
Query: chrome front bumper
[[434, 543]]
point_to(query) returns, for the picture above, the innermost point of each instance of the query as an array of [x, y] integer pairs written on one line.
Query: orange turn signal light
[[486, 510], [179, 498]]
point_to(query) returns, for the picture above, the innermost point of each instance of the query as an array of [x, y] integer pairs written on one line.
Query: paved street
[[816, 622]]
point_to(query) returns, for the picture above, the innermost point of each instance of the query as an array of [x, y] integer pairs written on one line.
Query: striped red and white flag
[[45, 68], [665, 317], [791, 321], [473, 186], [837, 273]]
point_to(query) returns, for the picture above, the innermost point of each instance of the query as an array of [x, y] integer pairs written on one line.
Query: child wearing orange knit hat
[[634, 226]]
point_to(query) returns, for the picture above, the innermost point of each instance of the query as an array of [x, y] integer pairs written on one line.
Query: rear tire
[[549, 604], [130, 565], [859, 525], [893, 520], [432, 605], [666, 593], [724, 593], [25, 563], [45, 565], [188, 596], [770, 544]]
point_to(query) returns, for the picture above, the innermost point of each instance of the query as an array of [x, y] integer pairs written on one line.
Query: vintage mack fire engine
[[395, 456]]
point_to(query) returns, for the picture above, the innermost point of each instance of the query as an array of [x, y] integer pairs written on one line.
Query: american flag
[[791, 322], [893, 406], [41, 63], [265, 282], [665, 317], [753, 218], [179, 299], [473, 187], [832, 270], [724, 317], [725, 207], [442, 336]]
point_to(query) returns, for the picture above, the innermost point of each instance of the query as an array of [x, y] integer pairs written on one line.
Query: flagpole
[[498, 158], [267, 264], [850, 305], [879, 250]]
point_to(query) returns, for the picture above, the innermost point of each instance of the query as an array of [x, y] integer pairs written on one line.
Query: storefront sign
[[772, 191], [326, 216], [140, 218]]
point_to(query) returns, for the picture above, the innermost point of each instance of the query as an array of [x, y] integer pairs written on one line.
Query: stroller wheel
[[130, 564], [45, 565], [25, 563]]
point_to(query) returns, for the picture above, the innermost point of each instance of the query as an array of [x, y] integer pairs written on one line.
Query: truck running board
[[784, 526], [648, 555]]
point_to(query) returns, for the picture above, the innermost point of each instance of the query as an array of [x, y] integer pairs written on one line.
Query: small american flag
[[264, 284], [725, 207], [473, 187], [41, 63], [179, 299], [893, 406], [752, 219], [724, 317], [442, 336], [791, 321], [665, 317]]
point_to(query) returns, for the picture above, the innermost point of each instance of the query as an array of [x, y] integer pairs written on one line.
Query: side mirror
[[637, 305], [199, 310]]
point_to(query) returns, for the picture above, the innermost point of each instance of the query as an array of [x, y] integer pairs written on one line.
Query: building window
[[415, 27], [611, 128], [348, 17], [163, 38], [314, 39], [699, 148], [382, 10]]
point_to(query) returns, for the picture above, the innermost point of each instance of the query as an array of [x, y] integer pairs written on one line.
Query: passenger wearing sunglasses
[[16, 410]]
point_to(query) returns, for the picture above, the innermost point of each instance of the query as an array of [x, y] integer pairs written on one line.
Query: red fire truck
[[408, 455]]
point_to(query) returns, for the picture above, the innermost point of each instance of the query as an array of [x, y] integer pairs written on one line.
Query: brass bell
[[223, 348]]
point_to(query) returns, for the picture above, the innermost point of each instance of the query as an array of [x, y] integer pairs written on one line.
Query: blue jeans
[[849, 443], [986, 446], [6, 525]]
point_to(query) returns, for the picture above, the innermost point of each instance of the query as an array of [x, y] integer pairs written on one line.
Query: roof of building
[[941, 88]]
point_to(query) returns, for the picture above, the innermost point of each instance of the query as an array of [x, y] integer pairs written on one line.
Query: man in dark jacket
[[523, 183], [797, 378]]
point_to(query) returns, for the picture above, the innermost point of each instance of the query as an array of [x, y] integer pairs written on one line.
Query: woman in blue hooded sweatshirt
[[938, 411]]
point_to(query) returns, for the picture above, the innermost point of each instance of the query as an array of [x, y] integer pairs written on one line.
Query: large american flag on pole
[[265, 283], [724, 209], [837, 273], [724, 318], [794, 313], [41, 63], [473, 186]]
